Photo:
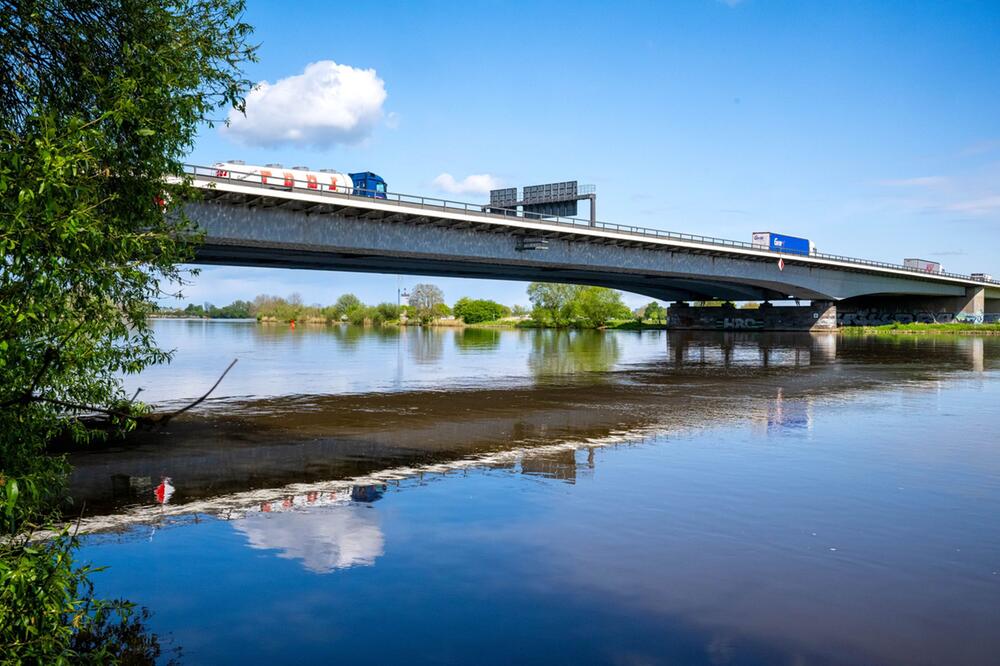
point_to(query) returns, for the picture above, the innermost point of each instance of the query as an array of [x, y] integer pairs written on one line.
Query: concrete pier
[[879, 310], [820, 316]]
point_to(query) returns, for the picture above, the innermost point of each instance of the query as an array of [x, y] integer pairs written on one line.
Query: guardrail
[[433, 203]]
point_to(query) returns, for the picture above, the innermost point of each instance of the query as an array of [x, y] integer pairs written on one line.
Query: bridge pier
[[879, 310], [991, 315], [820, 316]]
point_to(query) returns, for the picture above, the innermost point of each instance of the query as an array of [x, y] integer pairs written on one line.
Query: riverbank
[[621, 325], [923, 329]]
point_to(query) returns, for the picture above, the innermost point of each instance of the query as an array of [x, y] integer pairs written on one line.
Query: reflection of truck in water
[[768, 240], [923, 265]]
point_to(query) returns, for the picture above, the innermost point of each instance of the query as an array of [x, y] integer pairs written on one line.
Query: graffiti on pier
[[876, 317], [742, 323]]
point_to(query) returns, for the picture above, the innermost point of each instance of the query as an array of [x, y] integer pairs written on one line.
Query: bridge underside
[[662, 288], [268, 231]]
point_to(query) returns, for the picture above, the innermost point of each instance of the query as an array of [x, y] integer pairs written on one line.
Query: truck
[[769, 240], [923, 265], [276, 176], [982, 277], [368, 184]]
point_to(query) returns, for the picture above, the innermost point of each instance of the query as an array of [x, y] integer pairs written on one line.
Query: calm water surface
[[480, 496]]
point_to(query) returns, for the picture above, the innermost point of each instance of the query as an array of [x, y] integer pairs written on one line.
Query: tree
[[474, 311], [599, 305], [388, 311], [654, 312], [423, 299], [345, 304], [100, 101], [554, 304]]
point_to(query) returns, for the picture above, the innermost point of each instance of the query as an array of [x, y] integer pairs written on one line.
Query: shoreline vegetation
[[553, 306], [916, 328]]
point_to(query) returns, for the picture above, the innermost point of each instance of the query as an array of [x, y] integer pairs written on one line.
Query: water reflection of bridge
[[768, 379]]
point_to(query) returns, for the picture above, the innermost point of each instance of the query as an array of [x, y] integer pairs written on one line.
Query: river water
[[501, 496]]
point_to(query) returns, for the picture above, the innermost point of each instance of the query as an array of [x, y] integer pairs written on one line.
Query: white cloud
[[325, 539], [480, 183], [324, 105]]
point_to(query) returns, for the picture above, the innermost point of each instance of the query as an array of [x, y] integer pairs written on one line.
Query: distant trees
[[561, 305], [654, 312], [554, 304], [235, 310], [476, 311], [388, 311], [424, 298], [345, 305], [599, 305]]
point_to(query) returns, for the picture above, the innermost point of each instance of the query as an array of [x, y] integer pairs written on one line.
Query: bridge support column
[[882, 310], [991, 311], [820, 316]]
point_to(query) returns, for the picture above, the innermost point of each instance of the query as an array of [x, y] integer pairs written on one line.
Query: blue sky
[[872, 130]]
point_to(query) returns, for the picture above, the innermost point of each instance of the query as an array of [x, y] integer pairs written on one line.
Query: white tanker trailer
[[364, 183]]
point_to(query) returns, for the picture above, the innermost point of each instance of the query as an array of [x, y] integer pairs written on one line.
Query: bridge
[[300, 226]]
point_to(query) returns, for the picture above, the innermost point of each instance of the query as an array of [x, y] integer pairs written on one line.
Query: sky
[[872, 129]]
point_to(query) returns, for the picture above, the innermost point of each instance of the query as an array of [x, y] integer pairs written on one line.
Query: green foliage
[[440, 310], [599, 305], [235, 310], [388, 311], [562, 305], [475, 311], [919, 328], [100, 101], [48, 613], [345, 305], [554, 304], [366, 314], [654, 312]]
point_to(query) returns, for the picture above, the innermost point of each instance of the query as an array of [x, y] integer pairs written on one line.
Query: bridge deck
[[425, 210]]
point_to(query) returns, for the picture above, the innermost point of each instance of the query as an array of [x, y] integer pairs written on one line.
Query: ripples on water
[[486, 496]]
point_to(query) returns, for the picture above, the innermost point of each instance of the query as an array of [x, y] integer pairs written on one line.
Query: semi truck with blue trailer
[[768, 240]]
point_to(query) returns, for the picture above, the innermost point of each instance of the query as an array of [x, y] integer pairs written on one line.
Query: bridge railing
[[445, 205]]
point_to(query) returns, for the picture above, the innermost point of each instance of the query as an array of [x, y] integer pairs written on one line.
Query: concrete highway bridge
[[251, 224]]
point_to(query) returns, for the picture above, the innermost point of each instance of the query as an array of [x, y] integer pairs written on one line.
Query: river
[[506, 496]]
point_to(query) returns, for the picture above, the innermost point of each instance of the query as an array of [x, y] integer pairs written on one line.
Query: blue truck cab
[[368, 184]]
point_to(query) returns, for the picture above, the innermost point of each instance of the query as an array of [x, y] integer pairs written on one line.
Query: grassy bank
[[918, 329], [617, 325]]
